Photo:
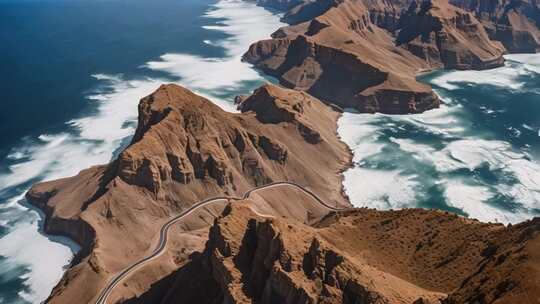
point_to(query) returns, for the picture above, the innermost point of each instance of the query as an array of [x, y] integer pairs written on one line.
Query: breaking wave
[[93, 138], [473, 155]]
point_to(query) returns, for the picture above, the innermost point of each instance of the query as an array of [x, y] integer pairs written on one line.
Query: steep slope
[[437, 31], [341, 57], [360, 256], [509, 272], [365, 54], [186, 149], [514, 23]]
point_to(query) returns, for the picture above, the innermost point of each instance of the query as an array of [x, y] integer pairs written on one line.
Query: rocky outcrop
[[365, 54], [343, 58], [439, 32], [514, 23], [360, 256], [186, 149], [188, 145], [277, 106]]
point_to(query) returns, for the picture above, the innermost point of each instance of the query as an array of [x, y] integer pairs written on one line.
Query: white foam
[[528, 127], [379, 188], [497, 155], [504, 77], [21, 246], [15, 155], [531, 62], [384, 189], [367, 136], [95, 137], [359, 136], [244, 23], [471, 200], [419, 151]]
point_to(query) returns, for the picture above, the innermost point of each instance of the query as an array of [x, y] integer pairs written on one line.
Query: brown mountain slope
[[359, 256], [186, 149], [514, 23], [343, 58], [437, 31], [365, 54]]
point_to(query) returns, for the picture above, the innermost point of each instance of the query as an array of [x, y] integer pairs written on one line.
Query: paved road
[[163, 233]]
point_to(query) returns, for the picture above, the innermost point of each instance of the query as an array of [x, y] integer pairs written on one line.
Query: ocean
[[73, 72], [478, 155]]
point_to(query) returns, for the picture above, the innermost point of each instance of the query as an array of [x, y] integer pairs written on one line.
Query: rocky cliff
[[437, 31], [186, 149], [514, 23], [366, 54], [343, 58], [359, 256], [278, 245]]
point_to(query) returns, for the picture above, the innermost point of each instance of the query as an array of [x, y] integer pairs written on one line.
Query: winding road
[[163, 233]]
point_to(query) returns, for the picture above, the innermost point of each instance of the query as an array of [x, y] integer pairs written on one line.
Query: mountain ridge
[[186, 149], [366, 54]]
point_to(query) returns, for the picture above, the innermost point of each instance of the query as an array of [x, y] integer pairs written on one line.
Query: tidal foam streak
[[243, 23], [441, 158], [87, 141], [93, 139]]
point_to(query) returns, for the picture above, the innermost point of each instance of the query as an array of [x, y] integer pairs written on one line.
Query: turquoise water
[[478, 155], [73, 72]]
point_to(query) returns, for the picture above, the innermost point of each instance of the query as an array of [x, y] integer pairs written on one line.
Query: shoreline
[[45, 218], [72, 244], [43, 214]]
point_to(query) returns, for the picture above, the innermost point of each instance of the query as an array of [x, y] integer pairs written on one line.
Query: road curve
[[163, 233]]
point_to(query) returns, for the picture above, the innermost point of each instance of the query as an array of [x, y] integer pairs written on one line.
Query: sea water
[[477, 155], [72, 74]]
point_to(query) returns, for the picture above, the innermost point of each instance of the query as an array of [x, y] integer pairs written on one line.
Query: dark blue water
[[478, 155], [48, 53], [507, 110], [51, 48], [72, 75]]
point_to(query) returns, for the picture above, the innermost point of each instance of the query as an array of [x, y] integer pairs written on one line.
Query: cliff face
[[343, 58], [439, 32], [360, 256], [365, 54], [186, 149], [514, 23]]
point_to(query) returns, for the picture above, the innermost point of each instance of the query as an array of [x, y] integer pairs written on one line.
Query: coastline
[[351, 164], [172, 65], [72, 244], [53, 244]]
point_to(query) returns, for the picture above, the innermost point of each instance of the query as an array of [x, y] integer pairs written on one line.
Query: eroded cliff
[[186, 149], [366, 54], [359, 256]]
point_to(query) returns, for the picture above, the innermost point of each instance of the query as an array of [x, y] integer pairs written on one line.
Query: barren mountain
[[341, 57], [282, 244], [365, 54], [276, 244], [186, 149], [514, 23], [357, 256]]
